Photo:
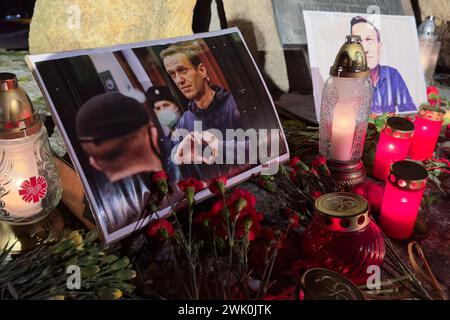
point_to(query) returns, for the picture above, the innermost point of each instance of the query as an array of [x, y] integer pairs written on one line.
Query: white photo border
[[202, 195]]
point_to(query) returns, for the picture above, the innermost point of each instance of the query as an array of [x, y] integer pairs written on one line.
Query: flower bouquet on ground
[[220, 253], [76, 267]]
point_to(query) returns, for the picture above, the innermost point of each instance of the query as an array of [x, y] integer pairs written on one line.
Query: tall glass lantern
[[344, 113], [29, 182], [429, 47]]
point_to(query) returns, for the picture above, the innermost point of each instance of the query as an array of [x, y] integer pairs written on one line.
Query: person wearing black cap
[[166, 108], [116, 133]]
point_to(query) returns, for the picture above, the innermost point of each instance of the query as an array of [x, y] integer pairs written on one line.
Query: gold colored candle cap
[[321, 284], [342, 211], [17, 116], [351, 60], [8, 81], [431, 113], [408, 175], [399, 127]]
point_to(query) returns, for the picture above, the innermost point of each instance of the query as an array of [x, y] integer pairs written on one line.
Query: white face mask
[[168, 117]]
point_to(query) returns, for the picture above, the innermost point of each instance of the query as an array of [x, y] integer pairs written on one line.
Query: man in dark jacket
[[122, 146], [211, 106]]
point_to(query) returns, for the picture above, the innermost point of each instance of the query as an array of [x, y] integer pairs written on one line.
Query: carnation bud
[[163, 187], [189, 193], [241, 203], [248, 224], [302, 166], [221, 187], [163, 233]]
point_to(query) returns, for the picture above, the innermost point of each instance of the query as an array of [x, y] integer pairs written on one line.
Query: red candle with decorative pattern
[[402, 196], [394, 143], [427, 125]]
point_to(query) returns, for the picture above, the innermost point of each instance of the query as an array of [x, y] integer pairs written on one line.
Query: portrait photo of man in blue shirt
[[390, 93], [212, 106]]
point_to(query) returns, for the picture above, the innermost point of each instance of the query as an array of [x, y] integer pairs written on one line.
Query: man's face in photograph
[[370, 43], [189, 79]]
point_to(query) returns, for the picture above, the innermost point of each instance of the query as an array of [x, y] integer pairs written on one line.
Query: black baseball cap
[[109, 115]]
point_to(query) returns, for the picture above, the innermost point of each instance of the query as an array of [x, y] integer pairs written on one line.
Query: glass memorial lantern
[[342, 236], [29, 182], [402, 197], [394, 143], [427, 126], [344, 113], [429, 48]]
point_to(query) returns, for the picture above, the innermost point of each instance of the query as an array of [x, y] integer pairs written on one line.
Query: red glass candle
[[394, 143], [427, 125], [342, 237], [402, 196]]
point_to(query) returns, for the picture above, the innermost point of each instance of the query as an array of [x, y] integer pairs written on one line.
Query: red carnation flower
[[217, 185], [160, 179], [319, 161], [447, 131], [249, 225], [159, 176], [293, 175], [213, 215], [294, 162], [316, 194], [433, 90], [197, 185], [292, 216], [160, 229], [241, 205], [314, 172], [241, 194]]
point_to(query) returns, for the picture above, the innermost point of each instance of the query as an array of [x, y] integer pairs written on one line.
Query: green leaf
[[62, 246], [89, 271], [111, 259], [119, 264], [126, 274], [109, 293], [128, 288], [91, 236]]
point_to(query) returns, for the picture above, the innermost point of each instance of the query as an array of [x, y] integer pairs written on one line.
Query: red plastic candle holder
[[394, 143], [402, 196], [427, 127], [342, 237]]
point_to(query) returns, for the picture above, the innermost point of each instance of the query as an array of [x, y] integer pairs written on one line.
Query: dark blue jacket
[[391, 93], [221, 114]]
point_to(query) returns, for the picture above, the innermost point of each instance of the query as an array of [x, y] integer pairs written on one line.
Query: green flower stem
[[187, 247]]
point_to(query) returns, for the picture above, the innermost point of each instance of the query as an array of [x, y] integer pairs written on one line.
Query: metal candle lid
[[399, 127], [408, 175], [431, 113], [427, 29], [342, 211], [324, 284], [351, 60], [17, 117]]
